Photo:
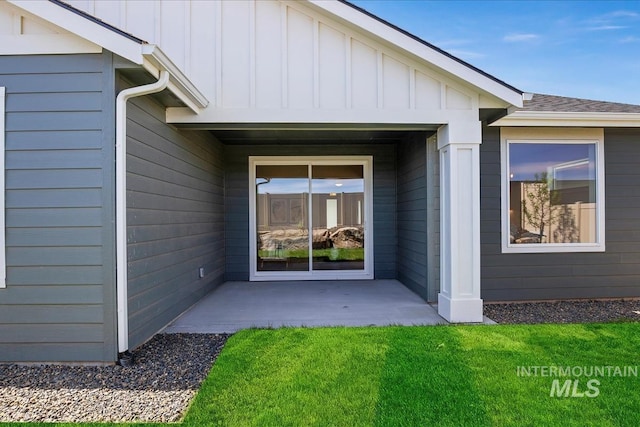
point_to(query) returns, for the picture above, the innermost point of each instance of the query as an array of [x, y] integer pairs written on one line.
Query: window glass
[[552, 193]]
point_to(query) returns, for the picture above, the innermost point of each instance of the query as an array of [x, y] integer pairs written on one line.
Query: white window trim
[[596, 136], [367, 273], [3, 250]]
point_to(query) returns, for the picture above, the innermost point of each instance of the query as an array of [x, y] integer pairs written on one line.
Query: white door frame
[[367, 273]]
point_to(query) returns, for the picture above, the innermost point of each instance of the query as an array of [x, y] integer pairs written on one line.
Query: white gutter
[[154, 59], [121, 202]]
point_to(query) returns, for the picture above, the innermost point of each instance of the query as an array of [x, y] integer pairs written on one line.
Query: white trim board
[[552, 136], [568, 119], [367, 273]]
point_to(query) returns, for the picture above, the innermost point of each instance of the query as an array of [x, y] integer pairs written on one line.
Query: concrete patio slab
[[239, 305]]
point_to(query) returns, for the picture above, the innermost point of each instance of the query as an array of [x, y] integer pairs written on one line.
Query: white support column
[[459, 146]]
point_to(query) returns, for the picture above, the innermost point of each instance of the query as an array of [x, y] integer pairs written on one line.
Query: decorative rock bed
[[578, 311], [159, 387]]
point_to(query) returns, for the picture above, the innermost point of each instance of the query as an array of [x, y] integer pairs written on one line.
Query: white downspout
[[121, 204]]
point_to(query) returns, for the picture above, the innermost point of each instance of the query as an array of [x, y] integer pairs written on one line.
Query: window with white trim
[[3, 260], [552, 195]]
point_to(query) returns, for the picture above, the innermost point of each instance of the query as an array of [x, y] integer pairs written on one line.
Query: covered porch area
[[240, 305]]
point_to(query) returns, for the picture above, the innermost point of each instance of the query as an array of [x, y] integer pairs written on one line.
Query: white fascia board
[[437, 59], [35, 44], [155, 60], [568, 119], [372, 117], [83, 27]]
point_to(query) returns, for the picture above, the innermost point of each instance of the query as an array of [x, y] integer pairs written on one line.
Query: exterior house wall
[[613, 273], [412, 214], [419, 215], [175, 212], [59, 302], [237, 199]]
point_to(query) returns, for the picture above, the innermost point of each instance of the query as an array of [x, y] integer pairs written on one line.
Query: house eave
[[155, 60], [568, 119], [129, 47], [436, 57]]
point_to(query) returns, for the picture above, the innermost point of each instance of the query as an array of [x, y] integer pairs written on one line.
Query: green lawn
[[333, 254], [420, 376]]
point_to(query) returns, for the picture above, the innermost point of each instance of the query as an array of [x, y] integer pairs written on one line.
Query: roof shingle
[[552, 103]]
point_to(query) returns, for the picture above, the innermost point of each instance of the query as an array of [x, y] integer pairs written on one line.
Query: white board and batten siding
[[24, 34], [280, 61]]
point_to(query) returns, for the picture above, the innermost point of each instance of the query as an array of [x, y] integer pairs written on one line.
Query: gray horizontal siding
[[614, 273], [237, 200], [175, 199], [412, 214], [58, 209]]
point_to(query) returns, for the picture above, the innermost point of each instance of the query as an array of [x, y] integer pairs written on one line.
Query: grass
[[418, 376], [333, 254]]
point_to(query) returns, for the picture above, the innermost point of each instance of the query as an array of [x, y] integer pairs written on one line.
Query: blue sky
[[583, 49]]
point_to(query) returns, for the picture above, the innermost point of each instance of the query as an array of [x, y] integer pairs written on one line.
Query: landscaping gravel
[[169, 369], [564, 311], [159, 387]]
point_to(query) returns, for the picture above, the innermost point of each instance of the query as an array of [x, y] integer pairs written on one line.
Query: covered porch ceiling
[[312, 135]]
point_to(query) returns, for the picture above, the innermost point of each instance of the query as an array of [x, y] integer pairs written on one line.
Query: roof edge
[[126, 45], [98, 21], [441, 59], [568, 119], [432, 46], [84, 26]]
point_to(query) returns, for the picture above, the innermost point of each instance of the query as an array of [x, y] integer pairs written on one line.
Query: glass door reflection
[[282, 200], [337, 217]]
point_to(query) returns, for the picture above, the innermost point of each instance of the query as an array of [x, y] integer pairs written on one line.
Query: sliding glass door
[[337, 217], [282, 194], [309, 218]]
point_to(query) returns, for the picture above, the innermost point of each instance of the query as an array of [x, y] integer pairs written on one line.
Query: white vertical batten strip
[[122, 8], [157, 22], [218, 53], [348, 76], [187, 38], [17, 24], [316, 63], [3, 249], [121, 201], [252, 54], [380, 77], [412, 88], [284, 40]]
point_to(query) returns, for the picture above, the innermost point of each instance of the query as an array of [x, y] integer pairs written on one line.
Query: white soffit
[[568, 119], [445, 63]]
